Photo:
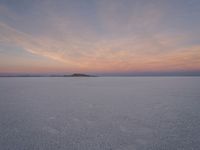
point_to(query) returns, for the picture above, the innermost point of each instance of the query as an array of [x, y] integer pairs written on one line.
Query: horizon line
[[116, 74]]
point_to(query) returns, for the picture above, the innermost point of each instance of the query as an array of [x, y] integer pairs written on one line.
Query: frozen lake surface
[[103, 113]]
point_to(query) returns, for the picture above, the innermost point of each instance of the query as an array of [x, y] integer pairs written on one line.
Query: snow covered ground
[[102, 113]]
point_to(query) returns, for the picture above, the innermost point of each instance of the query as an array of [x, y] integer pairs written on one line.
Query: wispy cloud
[[123, 41]]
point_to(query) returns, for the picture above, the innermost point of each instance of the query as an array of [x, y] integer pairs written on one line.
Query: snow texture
[[102, 113]]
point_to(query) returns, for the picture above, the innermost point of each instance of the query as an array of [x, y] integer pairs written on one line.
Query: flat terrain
[[104, 113]]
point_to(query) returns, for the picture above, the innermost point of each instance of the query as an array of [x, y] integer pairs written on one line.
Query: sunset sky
[[99, 36]]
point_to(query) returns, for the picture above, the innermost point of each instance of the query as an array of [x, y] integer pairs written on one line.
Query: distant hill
[[79, 75]]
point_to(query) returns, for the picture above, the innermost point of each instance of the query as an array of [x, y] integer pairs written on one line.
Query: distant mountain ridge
[[46, 75]]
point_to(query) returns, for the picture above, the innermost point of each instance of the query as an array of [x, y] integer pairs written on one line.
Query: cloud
[[118, 54], [128, 41]]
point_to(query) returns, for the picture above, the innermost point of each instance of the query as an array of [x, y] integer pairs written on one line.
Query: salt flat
[[102, 113]]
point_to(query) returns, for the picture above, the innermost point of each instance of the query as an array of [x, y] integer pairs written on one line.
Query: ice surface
[[103, 113]]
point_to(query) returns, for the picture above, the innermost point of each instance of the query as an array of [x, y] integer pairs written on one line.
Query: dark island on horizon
[[79, 75]]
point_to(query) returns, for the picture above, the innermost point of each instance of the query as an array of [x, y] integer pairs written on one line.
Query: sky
[[100, 36]]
